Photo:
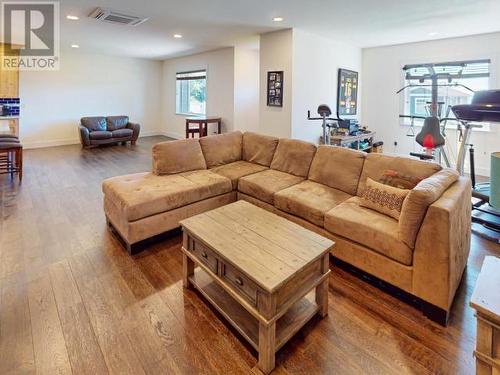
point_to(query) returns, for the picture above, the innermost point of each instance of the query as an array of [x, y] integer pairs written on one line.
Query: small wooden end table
[[201, 125], [266, 275], [486, 301]]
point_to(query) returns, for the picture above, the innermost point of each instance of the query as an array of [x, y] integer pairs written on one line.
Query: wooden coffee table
[[266, 275]]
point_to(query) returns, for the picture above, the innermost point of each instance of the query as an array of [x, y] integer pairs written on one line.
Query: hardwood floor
[[73, 301]]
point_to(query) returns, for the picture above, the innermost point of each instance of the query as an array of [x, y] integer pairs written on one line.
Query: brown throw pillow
[[396, 179], [385, 199]]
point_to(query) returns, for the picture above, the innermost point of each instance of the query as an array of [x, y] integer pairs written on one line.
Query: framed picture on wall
[[347, 98], [275, 89]]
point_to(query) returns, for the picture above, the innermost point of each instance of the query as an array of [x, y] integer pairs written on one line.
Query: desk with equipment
[[345, 132]]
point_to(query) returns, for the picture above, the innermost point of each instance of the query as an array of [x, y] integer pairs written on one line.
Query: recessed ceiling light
[[433, 33], [75, 46], [278, 19], [72, 18], [177, 36]]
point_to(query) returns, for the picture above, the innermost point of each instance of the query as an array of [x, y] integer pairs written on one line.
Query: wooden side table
[[486, 301], [200, 125]]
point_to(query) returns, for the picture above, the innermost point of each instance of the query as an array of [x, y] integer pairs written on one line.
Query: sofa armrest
[[442, 246], [84, 136], [136, 128]]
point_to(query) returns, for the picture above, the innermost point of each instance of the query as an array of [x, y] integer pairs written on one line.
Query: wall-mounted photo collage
[[275, 89]]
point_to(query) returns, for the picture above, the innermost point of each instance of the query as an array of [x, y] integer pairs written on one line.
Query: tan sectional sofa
[[422, 255]]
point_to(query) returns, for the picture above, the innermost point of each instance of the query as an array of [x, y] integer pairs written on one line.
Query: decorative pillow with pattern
[[395, 179], [383, 198]]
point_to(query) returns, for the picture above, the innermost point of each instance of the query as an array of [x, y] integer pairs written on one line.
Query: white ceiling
[[210, 24]]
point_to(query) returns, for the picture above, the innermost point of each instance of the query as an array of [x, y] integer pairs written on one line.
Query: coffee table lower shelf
[[246, 324]]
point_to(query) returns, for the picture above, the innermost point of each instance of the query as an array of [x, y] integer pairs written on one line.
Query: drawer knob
[[239, 281], [204, 255]]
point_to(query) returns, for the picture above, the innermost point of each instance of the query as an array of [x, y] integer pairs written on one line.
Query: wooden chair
[[199, 125], [199, 129]]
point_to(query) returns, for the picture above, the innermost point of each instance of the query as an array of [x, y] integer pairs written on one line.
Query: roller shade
[[198, 74]]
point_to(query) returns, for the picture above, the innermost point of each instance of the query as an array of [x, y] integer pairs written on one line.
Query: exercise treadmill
[[485, 107]]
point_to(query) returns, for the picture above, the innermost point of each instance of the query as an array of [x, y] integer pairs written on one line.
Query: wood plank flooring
[[73, 301]]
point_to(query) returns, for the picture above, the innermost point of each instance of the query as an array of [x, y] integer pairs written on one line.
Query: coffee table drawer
[[204, 255], [240, 282]]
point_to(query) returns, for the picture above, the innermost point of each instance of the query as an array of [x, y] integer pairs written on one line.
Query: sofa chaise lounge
[[423, 253]]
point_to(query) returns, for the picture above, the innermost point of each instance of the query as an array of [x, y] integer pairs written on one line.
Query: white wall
[[220, 89], [316, 61], [311, 64], [246, 89], [382, 77], [276, 53], [52, 103]]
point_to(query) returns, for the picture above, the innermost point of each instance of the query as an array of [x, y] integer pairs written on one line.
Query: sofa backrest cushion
[[95, 123], [222, 149], [376, 167], [177, 156], [116, 122], [293, 156], [419, 199], [337, 167], [258, 148]]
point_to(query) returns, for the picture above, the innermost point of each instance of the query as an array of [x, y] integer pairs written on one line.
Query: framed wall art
[[275, 89], [347, 98]]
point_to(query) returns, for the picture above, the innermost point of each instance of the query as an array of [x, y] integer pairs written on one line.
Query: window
[[456, 80], [191, 92]]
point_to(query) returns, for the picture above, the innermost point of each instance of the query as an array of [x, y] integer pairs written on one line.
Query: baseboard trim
[[173, 135], [52, 143], [75, 141]]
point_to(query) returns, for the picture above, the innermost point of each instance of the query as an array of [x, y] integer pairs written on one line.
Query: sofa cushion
[[385, 199], [258, 148], [95, 123], [144, 194], [377, 164], [337, 167], [419, 199], [263, 185], [100, 134], [309, 200], [234, 171], [122, 133], [369, 228], [177, 156], [293, 156], [222, 149], [116, 122]]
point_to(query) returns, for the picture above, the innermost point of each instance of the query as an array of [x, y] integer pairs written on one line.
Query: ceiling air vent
[[113, 16]]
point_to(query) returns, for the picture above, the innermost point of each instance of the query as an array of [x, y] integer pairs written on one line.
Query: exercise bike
[[328, 122]]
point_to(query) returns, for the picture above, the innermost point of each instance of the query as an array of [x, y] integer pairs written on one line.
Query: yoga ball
[[495, 180]]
